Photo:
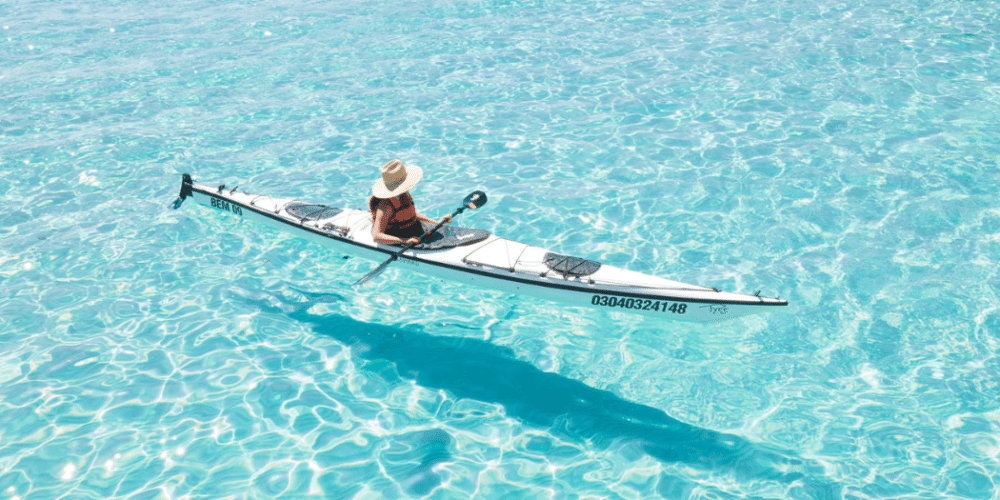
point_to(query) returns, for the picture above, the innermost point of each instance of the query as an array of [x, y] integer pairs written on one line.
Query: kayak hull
[[494, 263]]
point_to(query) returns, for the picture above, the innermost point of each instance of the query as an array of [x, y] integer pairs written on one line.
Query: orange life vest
[[403, 222]]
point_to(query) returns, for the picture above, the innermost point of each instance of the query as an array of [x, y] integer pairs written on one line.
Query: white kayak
[[479, 258]]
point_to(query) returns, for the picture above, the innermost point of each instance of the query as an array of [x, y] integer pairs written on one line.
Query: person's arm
[[424, 218], [378, 230], [446, 219]]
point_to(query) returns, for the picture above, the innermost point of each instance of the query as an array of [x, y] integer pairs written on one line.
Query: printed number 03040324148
[[640, 304]]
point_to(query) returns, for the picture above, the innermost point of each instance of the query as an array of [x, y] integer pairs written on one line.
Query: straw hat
[[396, 179]]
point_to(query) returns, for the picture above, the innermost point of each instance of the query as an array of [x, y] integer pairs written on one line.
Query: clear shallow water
[[842, 156]]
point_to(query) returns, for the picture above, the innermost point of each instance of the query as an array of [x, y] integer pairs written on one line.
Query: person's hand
[[446, 219], [412, 241]]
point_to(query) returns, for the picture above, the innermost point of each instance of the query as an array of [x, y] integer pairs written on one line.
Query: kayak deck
[[495, 262]]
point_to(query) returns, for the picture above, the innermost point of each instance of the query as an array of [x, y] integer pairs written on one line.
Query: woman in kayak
[[396, 220]]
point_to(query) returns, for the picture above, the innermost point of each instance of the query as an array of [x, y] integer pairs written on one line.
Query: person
[[396, 220]]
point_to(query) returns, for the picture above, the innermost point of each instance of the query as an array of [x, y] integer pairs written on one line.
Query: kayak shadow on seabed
[[564, 406]]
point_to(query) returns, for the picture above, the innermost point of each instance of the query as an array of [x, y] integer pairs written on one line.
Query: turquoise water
[[841, 155]]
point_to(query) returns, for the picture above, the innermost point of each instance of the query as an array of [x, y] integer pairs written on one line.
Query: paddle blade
[[374, 273], [475, 200]]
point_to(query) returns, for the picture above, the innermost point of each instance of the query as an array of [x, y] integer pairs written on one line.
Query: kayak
[[477, 257]]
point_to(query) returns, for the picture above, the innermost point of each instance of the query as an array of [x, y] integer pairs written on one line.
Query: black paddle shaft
[[475, 200]]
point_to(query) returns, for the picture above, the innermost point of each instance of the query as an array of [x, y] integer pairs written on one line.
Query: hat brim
[[413, 176]]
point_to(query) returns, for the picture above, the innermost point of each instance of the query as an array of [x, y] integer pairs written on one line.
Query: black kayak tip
[[186, 190]]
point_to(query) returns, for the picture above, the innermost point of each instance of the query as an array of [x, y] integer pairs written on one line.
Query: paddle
[[475, 200]]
